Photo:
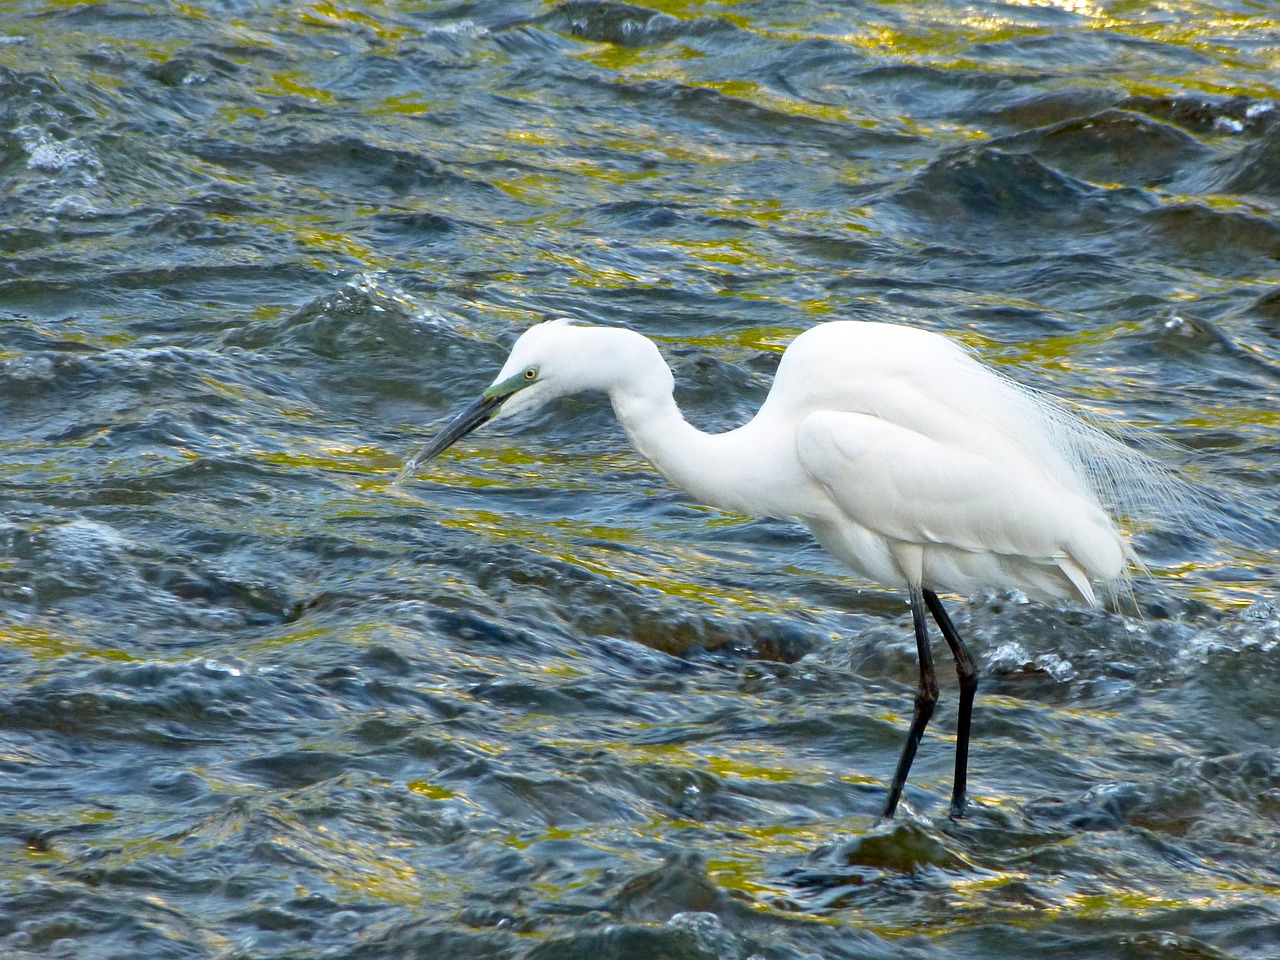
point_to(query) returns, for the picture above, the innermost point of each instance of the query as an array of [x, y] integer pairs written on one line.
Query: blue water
[[257, 702]]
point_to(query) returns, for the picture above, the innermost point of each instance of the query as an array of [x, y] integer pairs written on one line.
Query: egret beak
[[478, 414]]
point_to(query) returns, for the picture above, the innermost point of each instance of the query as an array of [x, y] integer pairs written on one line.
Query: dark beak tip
[[476, 415]]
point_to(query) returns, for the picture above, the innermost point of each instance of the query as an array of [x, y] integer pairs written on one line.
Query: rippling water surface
[[258, 702]]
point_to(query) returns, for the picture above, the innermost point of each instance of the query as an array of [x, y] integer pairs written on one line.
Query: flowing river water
[[258, 702]]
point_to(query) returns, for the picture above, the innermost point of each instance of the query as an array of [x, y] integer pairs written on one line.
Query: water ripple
[[257, 701]]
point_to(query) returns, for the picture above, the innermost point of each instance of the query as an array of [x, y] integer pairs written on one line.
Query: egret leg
[[926, 698], [967, 673]]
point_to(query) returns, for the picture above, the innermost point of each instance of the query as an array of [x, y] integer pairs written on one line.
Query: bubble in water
[[53, 156]]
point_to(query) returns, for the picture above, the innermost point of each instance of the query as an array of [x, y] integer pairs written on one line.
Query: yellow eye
[[530, 373]]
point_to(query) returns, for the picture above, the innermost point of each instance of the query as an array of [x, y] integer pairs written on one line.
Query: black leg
[[967, 673], [926, 697]]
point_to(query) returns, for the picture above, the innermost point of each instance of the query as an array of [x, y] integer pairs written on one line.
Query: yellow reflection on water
[[1084, 8], [42, 644], [324, 13], [430, 790]]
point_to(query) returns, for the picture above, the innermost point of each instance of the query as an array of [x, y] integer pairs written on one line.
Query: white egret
[[911, 462]]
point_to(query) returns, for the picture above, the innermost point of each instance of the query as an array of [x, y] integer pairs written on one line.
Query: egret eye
[[531, 373]]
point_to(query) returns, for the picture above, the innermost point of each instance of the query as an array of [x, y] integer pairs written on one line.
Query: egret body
[[911, 462]]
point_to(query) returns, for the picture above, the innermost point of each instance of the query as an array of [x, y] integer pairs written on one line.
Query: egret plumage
[[911, 462]]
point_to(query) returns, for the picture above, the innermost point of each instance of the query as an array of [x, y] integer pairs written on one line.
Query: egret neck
[[734, 471]]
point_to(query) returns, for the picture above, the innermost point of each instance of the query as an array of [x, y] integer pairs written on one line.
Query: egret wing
[[911, 488]]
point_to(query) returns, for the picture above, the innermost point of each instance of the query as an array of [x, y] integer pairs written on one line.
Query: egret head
[[548, 361]]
